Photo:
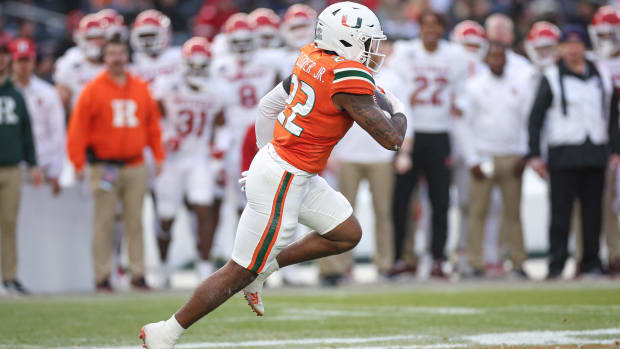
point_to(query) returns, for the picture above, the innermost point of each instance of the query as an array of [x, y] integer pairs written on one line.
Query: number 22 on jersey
[[305, 97]]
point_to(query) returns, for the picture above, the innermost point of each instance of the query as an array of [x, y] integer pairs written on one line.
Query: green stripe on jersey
[[353, 74]]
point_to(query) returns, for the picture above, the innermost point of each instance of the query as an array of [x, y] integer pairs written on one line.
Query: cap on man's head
[[574, 32], [22, 48]]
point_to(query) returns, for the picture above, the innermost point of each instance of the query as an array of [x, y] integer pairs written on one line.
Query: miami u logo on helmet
[[357, 25]]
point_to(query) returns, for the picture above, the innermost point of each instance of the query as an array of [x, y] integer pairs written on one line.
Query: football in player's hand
[[383, 102]]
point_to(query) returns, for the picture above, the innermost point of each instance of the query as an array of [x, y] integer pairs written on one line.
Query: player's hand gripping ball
[[384, 103]]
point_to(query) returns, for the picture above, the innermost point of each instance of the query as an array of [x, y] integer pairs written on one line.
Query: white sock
[[173, 328], [271, 268]]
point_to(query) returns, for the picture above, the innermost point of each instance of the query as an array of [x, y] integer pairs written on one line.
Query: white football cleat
[[154, 336], [253, 293]]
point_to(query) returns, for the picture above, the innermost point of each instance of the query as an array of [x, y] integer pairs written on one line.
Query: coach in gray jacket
[[580, 108]]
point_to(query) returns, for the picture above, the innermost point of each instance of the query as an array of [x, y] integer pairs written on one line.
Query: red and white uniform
[[471, 37], [191, 103], [150, 37], [79, 64], [186, 127], [148, 67], [432, 79], [246, 75]]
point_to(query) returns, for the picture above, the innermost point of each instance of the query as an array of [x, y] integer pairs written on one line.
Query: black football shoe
[[104, 286], [15, 287]]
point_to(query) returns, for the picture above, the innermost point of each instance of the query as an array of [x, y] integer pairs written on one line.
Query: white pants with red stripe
[[280, 197]]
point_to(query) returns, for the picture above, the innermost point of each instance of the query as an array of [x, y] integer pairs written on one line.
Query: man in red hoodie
[[111, 123]]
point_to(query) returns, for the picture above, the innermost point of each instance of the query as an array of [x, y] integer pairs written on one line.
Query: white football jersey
[[287, 62], [243, 85], [148, 68], [74, 71], [433, 80], [189, 114], [613, 67]]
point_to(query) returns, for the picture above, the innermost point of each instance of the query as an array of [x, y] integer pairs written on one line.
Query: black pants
[[586, 184], [431, 152]]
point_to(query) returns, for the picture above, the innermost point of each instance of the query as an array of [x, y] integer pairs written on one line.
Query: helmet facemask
[[196, 70], [606, 43], [242, 44], [371, 57]]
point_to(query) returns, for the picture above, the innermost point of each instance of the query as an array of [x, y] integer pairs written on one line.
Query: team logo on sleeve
[[347, 23]]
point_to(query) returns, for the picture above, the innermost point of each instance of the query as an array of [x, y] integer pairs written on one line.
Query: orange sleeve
[[153, 127], [78, 133], [352, 77]]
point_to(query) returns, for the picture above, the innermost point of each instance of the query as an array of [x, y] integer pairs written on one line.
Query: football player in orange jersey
[[331, 87]]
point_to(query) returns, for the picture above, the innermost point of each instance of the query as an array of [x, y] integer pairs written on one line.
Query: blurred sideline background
[[55, 242]]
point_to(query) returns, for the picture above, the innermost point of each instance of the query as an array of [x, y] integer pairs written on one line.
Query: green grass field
[[435, 315]]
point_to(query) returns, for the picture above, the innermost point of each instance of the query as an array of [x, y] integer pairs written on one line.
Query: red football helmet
[[150, 32], [471, 36], [90, 36], [240, 35], [113, 23], [604, 32], [541, 43], [298, 25], [266, 23], [196, 61]]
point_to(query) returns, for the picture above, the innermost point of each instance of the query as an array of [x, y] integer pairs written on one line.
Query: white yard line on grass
[[489, 339], [544, 337], [277, 343]]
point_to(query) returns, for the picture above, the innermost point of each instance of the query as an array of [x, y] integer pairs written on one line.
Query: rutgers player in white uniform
[[150, 39], [80, 65], [297, 30], [245, 75], [471, 38], [190, 107], [604, 34], [433, 74]]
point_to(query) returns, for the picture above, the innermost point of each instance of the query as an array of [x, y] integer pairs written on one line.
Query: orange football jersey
[[310, 125]]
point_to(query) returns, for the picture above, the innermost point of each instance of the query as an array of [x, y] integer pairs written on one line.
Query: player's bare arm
[[65, 95], [390, 133]]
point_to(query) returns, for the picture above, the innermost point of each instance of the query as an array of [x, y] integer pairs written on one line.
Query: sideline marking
[[488, 339]]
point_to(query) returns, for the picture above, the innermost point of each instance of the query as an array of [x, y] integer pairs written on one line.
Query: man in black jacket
[[580, 108], [17, 145]]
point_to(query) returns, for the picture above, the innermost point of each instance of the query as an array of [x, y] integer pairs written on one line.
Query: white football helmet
[[113, 23], [266, 23], [196, 61], [298, 26], [150, 32], [352, 31], [472, 37], [542, 43], [604, 32], [90, 36], [241, 36]]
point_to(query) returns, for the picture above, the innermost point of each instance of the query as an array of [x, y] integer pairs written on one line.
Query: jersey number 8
[[288, 121]]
